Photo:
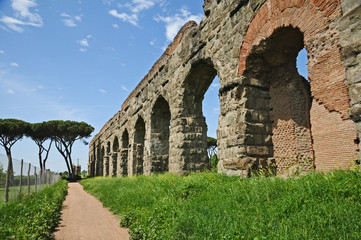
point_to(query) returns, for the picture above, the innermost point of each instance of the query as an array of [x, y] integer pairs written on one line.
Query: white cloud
[[115, 26], [125, 88], [175, 22], [70, 21], [215, 85], [22, 16], [102, 90], [10, 91], [134, 7], [140, 5], [14, 64], [2, 52], [84, 43], [130, 18]]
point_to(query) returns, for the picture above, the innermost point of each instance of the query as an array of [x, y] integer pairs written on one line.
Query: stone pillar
[[90, 162], [106, 166], [113, 165], [123, 163], [188, 144], [350, 35], [96, 167], [231, 131], [244, 130]]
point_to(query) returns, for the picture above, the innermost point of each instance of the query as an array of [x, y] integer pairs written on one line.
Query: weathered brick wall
[[334, 139], [269, 114]]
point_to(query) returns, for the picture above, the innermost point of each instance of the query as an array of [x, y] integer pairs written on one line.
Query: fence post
[[29, 178], [36, 179], [21, 177]]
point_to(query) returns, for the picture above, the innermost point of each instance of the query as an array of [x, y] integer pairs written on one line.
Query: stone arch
[[125, 139], [124, 154], [116, 144], [193, 150], [159, 135], [92, 163], [99, 161], [284, 102], [106, 161], [330, 124], [113, 156], [108, 148], [103, 162], [138, 146]]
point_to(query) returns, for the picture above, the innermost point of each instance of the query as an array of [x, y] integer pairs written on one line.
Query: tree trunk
[[71, 165], [40, 159], [9, 174]]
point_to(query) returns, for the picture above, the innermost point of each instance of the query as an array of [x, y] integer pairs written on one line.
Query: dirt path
[[84, 217]]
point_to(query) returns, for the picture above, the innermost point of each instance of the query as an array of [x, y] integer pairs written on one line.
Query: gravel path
[[84, 217]]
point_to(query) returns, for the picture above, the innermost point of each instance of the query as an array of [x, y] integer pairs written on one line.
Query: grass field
[[35, 215], [214, 206]]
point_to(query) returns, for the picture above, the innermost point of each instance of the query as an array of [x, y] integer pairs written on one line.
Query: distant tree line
[[62, 133]]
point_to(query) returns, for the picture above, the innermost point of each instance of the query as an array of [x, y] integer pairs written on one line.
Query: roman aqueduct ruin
[[269, 113]]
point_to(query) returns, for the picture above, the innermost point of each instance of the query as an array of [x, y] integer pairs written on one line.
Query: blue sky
[[78, 60]]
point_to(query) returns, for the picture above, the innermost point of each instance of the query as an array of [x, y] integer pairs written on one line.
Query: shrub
[[35, 216]]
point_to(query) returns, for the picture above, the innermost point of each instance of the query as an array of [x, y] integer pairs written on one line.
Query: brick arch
[[313, 18], [332, 133]]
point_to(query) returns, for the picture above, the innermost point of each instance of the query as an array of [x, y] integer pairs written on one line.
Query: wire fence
[[24, 178]]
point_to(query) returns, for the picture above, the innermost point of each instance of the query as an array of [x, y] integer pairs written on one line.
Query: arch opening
[[125, 139], [115, 144], [197, 83], [108, 148], [138, 147], [124, 153], [301, 63], [160, 127], [286, 102], [105, 161]]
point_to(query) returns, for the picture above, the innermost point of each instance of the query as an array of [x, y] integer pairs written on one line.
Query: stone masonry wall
[[270, 116]]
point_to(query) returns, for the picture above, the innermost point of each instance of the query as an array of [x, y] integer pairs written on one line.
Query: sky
[[79, 60]]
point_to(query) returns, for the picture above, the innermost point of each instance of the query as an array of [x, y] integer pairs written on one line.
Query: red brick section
[[311, 17], [333, 132], [283, 126], [333, 139]]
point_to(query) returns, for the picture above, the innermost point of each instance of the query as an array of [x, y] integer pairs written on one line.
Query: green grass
[[35, 216], [213, 206]]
